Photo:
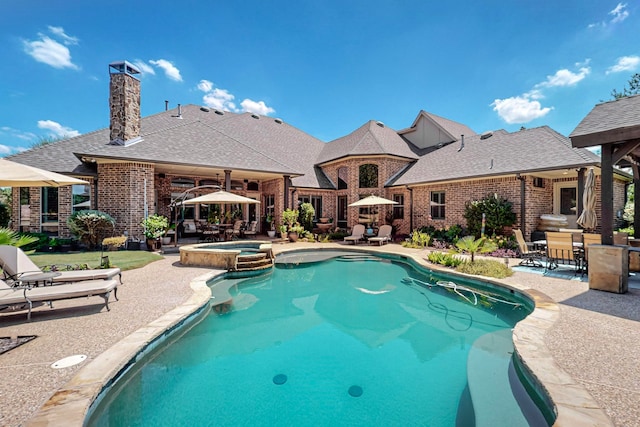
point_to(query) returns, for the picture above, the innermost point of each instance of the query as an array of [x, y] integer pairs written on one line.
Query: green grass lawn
[[125, 260]]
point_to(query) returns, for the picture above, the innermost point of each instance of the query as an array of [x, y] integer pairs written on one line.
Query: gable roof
[[372, 138], [449, 127], [527, 151]]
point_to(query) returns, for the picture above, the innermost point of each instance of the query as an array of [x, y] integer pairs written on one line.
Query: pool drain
[[355, 391], [280, 379]]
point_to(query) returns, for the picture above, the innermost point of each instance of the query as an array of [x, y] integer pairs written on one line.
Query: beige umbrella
[[371, 201], [220, 198], [588, 218], [14, 174]]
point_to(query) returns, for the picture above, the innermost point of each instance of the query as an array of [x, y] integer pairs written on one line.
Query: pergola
[[615, 126]]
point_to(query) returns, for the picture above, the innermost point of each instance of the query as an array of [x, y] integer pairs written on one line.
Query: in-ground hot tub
[[223, 255]]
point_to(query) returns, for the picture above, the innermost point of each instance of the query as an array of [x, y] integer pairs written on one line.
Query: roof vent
[[278, 121], [380, 124], [255, 116], [218, 112], [205, 109], [486, 135]]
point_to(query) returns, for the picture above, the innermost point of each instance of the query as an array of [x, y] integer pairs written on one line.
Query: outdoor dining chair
[[531, 257], [561, 250], [589, 239]]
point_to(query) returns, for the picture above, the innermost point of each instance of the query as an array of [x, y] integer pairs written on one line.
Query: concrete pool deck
[[595, 340]]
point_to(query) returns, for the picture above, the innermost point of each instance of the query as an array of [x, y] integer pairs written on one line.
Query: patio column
[[287, 182], [227, 180], [607, 194]]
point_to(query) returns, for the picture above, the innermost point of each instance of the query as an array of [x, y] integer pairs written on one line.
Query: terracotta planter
[[293, 236]]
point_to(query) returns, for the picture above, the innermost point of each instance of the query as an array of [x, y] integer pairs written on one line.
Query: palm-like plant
[[12, 238], [471, 245]]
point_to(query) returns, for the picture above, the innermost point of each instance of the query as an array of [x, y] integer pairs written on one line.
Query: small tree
[[290, 217], [91, 226], [469, 244], [632, 88], [307, 212]]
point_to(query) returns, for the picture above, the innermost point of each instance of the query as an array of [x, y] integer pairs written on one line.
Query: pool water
[[338, 342]]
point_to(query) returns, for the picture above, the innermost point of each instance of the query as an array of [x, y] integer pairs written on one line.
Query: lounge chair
[[530, 256], [27, 295], [18, 267], [384, 235], [357, 234]]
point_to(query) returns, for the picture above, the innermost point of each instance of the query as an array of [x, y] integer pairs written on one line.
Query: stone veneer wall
[[124, 104], [121, 194]]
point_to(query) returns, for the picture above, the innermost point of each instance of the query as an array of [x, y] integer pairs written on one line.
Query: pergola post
[[607, 194]]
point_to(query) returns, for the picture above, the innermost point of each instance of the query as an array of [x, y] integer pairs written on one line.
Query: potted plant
[[295, 231], [283, 231], [154, 227], [271, 224]]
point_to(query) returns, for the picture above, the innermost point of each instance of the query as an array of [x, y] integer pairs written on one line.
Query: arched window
[[342, 178], [183, 182], [368, 176], [252, 186]]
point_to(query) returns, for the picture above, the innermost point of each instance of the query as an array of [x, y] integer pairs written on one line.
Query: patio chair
[[561, 250], [251, 230], [26, 295], [384, 235], [235, 231], [357, 234], [588, 239], [18, 267], [530, 256]]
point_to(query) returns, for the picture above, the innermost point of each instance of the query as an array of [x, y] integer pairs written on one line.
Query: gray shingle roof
[[369, 139], [235, 141], [619, 114], [528, 150]]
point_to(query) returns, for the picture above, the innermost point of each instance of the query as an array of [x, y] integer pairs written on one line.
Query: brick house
[[138, 166]]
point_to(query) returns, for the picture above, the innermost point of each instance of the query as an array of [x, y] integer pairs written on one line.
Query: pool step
[[258, 261]]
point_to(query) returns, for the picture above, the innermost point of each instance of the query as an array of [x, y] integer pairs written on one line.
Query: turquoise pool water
[[345, 341]]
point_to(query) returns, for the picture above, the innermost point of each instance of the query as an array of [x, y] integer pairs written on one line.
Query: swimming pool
[[346, 339]]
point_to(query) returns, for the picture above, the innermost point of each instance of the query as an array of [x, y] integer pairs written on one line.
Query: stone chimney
[[124, 103]]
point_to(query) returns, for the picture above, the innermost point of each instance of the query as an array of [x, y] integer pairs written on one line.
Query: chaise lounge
[[384, 235], [357, 234], [25, 295], [18, 267]]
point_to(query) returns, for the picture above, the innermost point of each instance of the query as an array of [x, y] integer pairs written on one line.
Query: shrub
[[91, 226], [498, 214], [486, 267], [307, 212], [155, 226], [418, 240], [114, 243], [290, 217], [12, 238], [445, 259]]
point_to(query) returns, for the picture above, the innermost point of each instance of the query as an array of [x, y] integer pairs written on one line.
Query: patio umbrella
[[588, 219], [14, 174], [372, 201], [220, 198]]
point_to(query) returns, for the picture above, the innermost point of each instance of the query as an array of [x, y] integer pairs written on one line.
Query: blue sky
[[325, 67]]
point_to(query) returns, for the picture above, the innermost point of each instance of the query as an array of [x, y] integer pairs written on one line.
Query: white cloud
[[205, 85], [220, 99], [57, 129], [170, 70], [143, 67], [5, 149], [66, 39], [619, 13], [519, 109], [15, 133], [49, 52], [625, 63], [565, 77], [258, 107]]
